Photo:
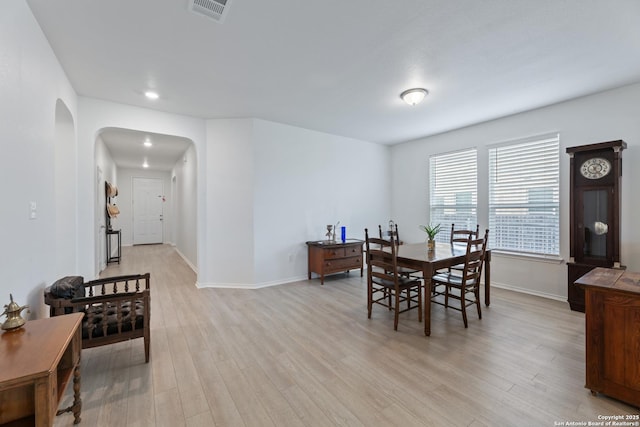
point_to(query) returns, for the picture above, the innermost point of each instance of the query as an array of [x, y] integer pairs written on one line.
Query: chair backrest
[[382, 263], [462, 235], [474, 259], [484, 250], [393, 233]]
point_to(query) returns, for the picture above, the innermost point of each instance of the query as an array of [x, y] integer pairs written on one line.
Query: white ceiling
[[128, 150], [339, 66]]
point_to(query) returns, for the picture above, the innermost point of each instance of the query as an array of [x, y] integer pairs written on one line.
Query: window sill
[[551, 259]]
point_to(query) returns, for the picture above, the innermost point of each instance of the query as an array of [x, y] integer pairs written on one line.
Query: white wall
[[31, 84], [65, 190], [606, 116], [184, 207], [304, 180], [124, 221], [229, 206], [272, 187]]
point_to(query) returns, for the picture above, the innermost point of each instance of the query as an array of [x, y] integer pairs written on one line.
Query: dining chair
[[461, 236], [393, 230], [385, 285], [386, 235], [464, 286]]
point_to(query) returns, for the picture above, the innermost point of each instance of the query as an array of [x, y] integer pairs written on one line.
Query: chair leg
[[147, 345], [447, 289], [463, 304], [369, 301], [396, 311], [477, 295]]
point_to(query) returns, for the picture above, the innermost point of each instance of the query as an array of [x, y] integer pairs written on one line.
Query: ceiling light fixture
[[145, 164], [414, 96], [151, 95], [147, 143]]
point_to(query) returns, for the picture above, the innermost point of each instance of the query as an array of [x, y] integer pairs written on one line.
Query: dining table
[[418, 257]]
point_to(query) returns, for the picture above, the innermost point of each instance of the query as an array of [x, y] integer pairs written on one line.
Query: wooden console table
[[110, 256], [612, 315], [327, 256], [36, 363]]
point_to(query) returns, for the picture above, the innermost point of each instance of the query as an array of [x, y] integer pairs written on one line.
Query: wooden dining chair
[[386, 235], [462, 235], [464, 286], [385, 286], [390, 232]]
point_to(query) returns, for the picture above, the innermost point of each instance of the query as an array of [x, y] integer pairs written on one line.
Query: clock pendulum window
[[594, 212]]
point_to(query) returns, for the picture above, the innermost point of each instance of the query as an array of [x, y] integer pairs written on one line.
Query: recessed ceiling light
[[147, 143], [145, 164], [151, 94], [414, 96]]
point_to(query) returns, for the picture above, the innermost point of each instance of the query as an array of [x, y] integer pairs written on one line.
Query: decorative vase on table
[[431, 244]]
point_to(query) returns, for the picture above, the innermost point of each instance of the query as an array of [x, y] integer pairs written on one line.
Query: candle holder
[[330, 235]]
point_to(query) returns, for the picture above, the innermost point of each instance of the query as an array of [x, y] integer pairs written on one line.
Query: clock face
[[595, 168]]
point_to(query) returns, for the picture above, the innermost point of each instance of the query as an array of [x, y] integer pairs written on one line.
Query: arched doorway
[[122, 155]]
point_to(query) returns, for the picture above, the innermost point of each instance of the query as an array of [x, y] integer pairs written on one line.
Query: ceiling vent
[[214, 9]]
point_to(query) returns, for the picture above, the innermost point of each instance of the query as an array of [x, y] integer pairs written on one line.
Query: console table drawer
[[353, 251], [332, 253], [342, 264]]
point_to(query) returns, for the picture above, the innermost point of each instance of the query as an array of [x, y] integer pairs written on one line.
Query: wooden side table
[[36, 363], [326, 257], [612, 318]]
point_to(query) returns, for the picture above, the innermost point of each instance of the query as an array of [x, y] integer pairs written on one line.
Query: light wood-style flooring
[[302, 354]]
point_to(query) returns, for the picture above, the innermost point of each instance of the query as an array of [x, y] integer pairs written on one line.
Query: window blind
[[453, 187], [524, 196]]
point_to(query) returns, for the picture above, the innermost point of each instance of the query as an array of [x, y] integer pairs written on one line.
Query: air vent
[[214, 9]]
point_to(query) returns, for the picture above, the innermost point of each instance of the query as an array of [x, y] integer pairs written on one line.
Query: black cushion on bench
[[68, 287], [97, 314]]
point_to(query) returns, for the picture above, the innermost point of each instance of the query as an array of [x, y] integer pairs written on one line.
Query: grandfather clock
[[596, 172]]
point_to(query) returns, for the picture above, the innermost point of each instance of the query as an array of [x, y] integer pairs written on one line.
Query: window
[[453, 181], [524, 196]]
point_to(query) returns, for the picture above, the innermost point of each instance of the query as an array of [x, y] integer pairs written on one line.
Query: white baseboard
[[193, 267], [251, 285], [528, 291], [304, 278]]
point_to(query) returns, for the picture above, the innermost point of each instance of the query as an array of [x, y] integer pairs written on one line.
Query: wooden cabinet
[[612, 303], [37, 362], [594, 211], [326, 257]]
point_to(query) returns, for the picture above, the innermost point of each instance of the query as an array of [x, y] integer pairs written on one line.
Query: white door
[[147, 211]]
